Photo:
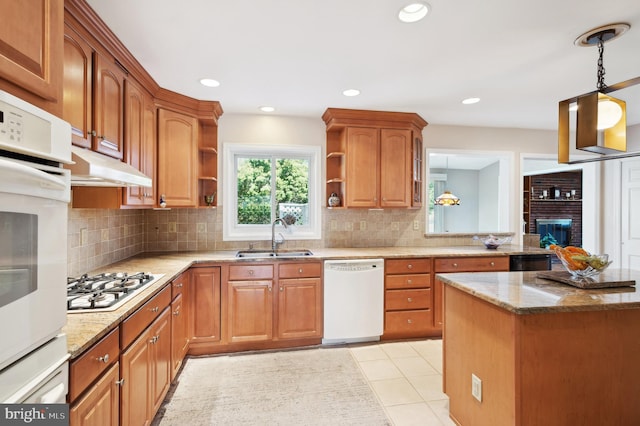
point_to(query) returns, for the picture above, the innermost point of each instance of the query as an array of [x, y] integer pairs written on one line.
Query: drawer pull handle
[[493, 264], [409, 321], [120, 382], [179, 285], [455, 265], [104, 358], [409, 299], [155, 309], [409, 266]]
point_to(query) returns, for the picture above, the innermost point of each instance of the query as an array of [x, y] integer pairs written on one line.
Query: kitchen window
[[263, 183]]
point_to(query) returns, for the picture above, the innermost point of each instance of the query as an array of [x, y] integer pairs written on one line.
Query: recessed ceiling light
[[413, 12], [470, 101], [209, 82], [267, 108], [351, 92]]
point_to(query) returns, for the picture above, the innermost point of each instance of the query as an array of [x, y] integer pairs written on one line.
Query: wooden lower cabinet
[[299, 301], [204, 294], [250, 312], [408, 299], [146, 370], [180, 329], [101, 404]]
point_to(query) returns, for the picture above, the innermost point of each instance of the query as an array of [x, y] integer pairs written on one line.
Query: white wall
[[488, 199]]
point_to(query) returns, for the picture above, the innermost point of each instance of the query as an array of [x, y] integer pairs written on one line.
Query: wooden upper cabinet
[[77, 95], [139, 138], [395, 168], [177, 158], [108, 104], [31, 37], [372, 160], [362, 167]]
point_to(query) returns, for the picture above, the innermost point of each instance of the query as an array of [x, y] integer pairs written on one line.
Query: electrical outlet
[[416, 225], [104, 235], [476, 387], [84, 236], [171, 227], [201, 228], [363, 225]]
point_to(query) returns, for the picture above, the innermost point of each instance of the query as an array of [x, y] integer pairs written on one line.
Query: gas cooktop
[[105, 292]]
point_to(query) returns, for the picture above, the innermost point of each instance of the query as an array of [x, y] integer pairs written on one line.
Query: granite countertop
[[85, 329], [524, 293]]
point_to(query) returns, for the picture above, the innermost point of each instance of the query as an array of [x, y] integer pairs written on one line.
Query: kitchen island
[[546, 353]]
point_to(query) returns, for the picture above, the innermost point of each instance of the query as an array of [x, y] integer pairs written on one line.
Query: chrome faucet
[[274, 243]]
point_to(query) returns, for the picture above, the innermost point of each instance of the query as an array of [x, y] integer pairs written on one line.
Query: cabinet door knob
[[281, 288], [120, 382], [155, 309], [179, 285], [409, 281], [251, 272], [493, 264], [104, 358], [300, 270], [409, 299], [409, 321], [455, 265], [409, 266], [176, 313]]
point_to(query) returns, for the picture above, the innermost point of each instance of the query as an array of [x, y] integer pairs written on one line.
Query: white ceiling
[[298, 55]]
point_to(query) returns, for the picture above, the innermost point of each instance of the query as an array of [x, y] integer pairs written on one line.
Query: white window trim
[[233, 232]]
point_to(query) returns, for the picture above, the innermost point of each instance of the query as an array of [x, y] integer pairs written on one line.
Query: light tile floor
[[407, 378]]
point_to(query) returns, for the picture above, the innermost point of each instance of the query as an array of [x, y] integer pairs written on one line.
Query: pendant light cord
[[601, 86]]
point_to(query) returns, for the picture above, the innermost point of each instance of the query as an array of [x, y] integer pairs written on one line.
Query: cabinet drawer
[[299, 270], [408, 281], [88, 366], [407, 299], [250, 272], [408, 322], [140, 319], [407, 266], [179, 284], [472, 264]]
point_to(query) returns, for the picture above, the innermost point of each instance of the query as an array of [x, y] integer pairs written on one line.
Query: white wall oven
[[34, 197]]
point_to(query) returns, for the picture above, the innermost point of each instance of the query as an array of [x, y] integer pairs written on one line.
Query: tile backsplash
[[98, 237]]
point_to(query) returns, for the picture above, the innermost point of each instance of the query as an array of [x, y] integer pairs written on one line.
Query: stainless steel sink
[[257, 254], [293, 253]]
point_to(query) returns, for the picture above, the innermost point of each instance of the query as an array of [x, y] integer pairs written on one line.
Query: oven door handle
[[21, 174]]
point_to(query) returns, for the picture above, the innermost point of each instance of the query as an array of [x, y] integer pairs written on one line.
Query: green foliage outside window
[[255, 187]]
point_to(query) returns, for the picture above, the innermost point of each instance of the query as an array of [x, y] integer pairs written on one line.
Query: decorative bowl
[[581, 265], [492, 242]]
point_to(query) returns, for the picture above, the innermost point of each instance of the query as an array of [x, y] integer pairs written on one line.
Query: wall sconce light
[[601, 119]]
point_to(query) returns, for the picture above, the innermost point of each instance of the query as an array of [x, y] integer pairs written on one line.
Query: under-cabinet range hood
[[94, 169]]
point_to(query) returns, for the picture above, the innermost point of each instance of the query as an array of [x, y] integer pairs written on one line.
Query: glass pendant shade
[[447, 199], [609, 113]]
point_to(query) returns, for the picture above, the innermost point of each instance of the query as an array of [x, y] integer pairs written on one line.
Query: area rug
[[319, 386]]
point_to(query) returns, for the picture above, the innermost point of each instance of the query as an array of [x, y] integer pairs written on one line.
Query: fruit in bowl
[[492, 242], [580, 263]]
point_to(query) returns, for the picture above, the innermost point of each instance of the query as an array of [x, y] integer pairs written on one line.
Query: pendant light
[[601, 123], [447, 198]]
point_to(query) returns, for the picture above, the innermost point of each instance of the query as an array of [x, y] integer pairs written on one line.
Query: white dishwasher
[[353, 300]]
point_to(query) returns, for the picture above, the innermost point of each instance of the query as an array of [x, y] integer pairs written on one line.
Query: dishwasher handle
[[356, 265]]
